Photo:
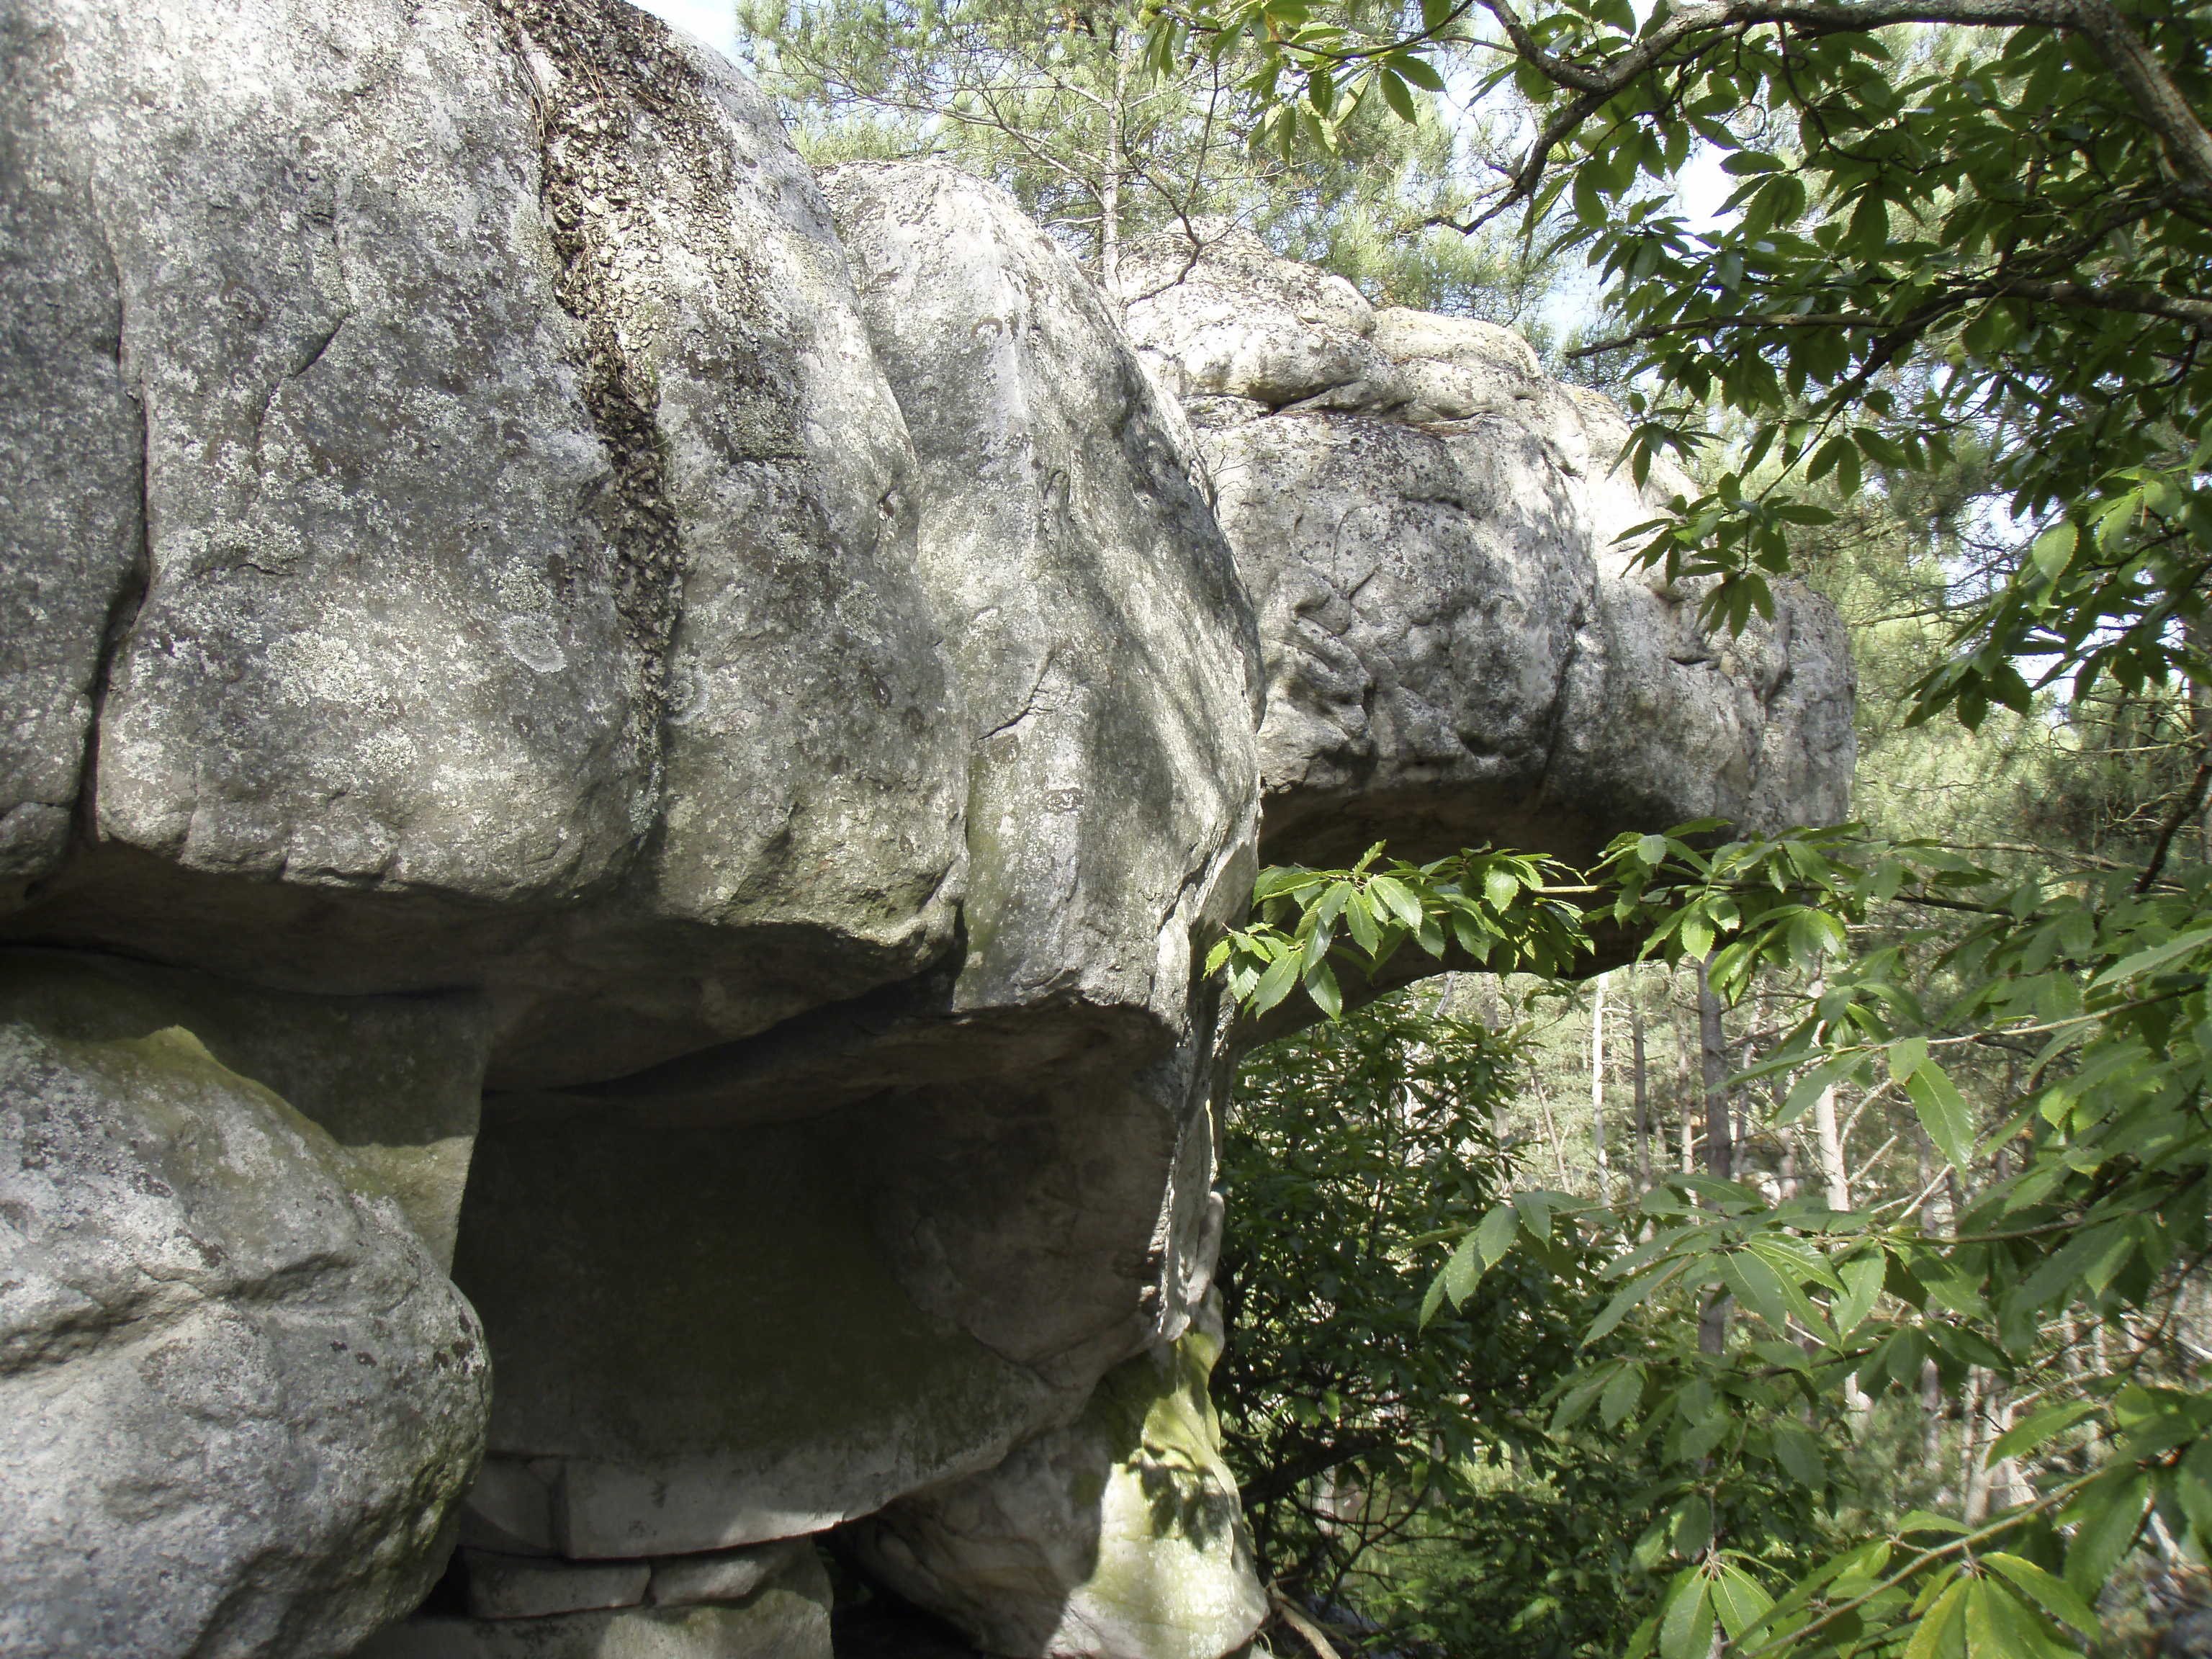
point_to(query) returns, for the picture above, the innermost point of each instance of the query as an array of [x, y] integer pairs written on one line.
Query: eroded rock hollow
[[617, 765]]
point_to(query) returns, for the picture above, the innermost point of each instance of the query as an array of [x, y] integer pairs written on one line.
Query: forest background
[[1831, 1279]]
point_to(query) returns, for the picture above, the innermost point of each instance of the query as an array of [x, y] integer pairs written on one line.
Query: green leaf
[[1620, 1395], [1757, 1287], [1397, 95], [1739, 1600], [1863, 1279], [2108, 1516], [1322, 987], [1625, 1301], [2050, 1594], [1907, 1057], [1463, 1271], [2144, 961], [1685, 1628], [1696, 934], [1933, 1623], [2027, 1437], [1359, 921], [1496, 1235], [1799, 1454], [1275, 984], [1949, 1124], [1398, 897], [1432, 1303], [1501, 888], [2054, 551]]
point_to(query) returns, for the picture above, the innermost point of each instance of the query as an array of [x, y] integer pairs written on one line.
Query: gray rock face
[[1118, 1537], [485, 580], [1457, 651], [238, 1399], [1104, 644], [527, 525], [784, 1615]]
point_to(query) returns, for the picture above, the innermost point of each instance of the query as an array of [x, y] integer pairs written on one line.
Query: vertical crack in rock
[[586, 75], [122, 615]]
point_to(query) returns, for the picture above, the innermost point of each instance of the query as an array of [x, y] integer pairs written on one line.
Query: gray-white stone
[[1105, 649], [701, 1333], [1118, 1537], [785, 1617], [509, 1509], [683, 1581], [534, 1587], [528, 571], [1457, 649], [238, 1399]]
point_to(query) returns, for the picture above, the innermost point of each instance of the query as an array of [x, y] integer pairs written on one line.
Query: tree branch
[[2157, 100]]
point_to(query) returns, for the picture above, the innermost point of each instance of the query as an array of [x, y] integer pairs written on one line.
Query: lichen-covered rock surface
[[237, 1398], [1458, 650], [578, 707], [1118, 1537], [525, 583]]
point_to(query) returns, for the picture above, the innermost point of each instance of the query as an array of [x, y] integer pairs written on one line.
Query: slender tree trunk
[[1835, 1175], [1720, 1139], [1973, 1442], [1720, 1143], [1931, 1415], [1500, 1125], [1684, 1093], [1643, 1091], [1597, 1090], [1552, 1129], [1109, 203], [1836, 1184], [2194, 630]]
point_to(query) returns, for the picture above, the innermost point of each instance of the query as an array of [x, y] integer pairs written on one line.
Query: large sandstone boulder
[[523, 589], [239, 1400], [508, 582], [1458, 651]]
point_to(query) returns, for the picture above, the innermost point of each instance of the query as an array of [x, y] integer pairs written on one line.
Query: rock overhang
[[802, 669]]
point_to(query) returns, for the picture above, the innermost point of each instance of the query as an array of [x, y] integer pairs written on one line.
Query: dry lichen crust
[[524, 587], [1457, 648], [238, 1399]]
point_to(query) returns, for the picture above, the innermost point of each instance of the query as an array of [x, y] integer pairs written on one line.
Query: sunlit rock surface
[[1458, 648], [584, 709]]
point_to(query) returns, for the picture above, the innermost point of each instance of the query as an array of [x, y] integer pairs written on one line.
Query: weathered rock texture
[[1118, 1537], [238, 1399], [524, 586], [777, 1614], [1457, 648], [507, 581]]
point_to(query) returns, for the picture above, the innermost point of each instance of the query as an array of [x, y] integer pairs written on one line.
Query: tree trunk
[[1642, 1091], [1597, 1089], [1684, 1093], [1836, 1182], [1720, 1143], [1500, 1125], [1973, 1442], [1552, 1129], [1931, 1414], [1109, 195], [1719, 1139]]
